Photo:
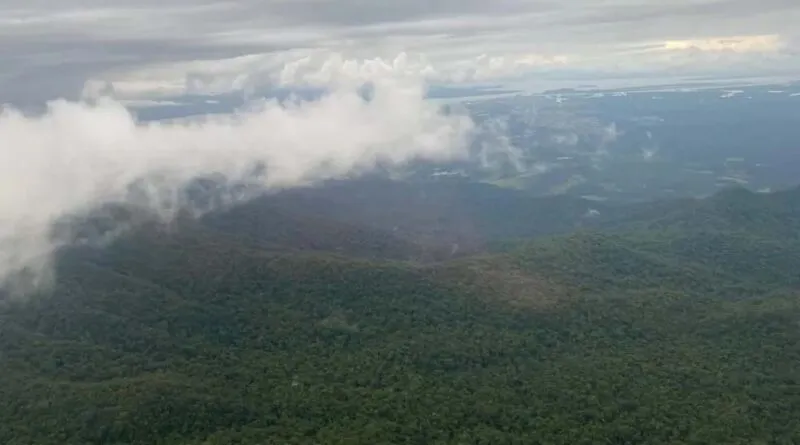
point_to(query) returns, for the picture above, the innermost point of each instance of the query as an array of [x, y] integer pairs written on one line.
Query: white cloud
[[78, 156], [312, 69], [769, 43]]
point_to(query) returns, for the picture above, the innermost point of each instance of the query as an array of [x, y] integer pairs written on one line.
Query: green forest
[[675, 322]]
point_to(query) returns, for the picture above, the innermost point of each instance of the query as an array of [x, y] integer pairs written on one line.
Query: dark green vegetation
[[429, 214], [667, 142], [678, 323]]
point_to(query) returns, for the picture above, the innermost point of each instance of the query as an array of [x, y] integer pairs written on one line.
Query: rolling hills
[[305, 318]]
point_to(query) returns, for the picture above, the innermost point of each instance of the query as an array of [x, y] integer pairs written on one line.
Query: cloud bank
[[154, 48], [83, 152], [78, 156]]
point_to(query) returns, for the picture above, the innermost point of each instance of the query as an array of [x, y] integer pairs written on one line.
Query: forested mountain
[[734, 209], [662, 323], [435, 214]]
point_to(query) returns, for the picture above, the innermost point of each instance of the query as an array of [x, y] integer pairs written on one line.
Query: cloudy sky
[[76, 155], [147, 48]]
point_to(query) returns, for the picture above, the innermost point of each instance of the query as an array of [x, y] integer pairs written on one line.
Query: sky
[[73, 73], [148, 49]]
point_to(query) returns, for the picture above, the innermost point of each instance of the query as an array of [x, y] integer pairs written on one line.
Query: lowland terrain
[[400, 313]]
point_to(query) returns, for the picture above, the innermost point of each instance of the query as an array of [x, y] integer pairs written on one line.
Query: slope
[[198, 337], [433, 213], [731, 210]]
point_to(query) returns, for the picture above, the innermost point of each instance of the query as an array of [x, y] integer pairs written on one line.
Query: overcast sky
[[150, 48]]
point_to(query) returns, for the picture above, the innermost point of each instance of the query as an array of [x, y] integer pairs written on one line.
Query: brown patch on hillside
[[497, 280]]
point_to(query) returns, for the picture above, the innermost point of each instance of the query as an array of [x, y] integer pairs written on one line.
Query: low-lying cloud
[[78, 156]]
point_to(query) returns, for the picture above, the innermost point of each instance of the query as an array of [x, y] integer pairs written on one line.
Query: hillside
[[434, 214], [369, 218], [731, 210], [660, 330]]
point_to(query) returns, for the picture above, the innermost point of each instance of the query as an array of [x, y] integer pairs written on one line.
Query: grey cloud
[[366, 12], [681, 9], [43, 67], [49, 46]]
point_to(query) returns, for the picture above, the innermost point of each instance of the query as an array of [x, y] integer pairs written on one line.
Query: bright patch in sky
[[763, 43], [81, 61], [149, 48]]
